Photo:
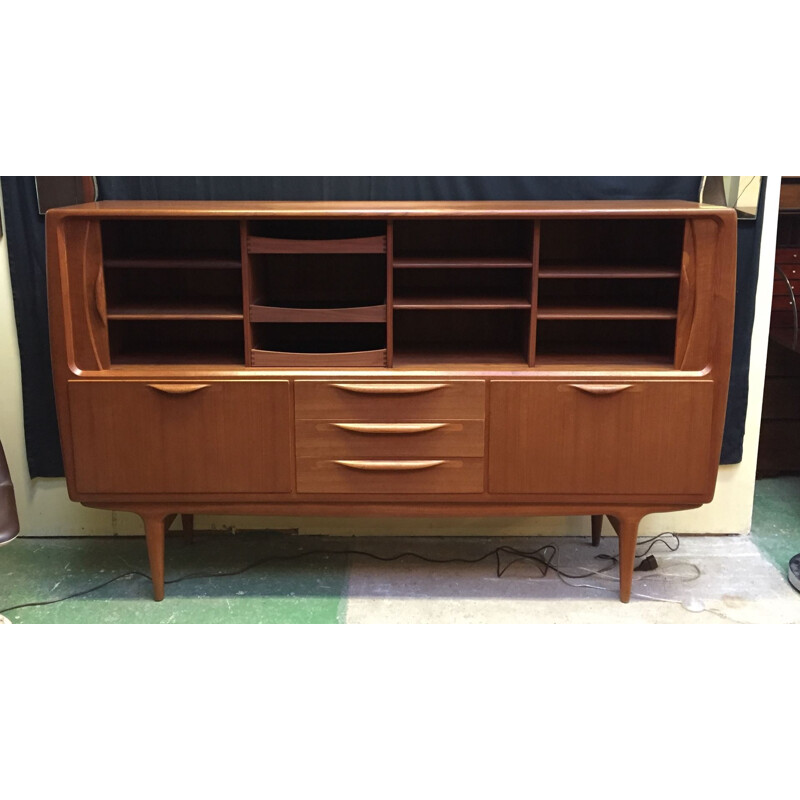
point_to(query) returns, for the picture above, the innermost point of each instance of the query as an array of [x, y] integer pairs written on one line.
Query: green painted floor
[[282, 578], [776, 519], [308, 589]]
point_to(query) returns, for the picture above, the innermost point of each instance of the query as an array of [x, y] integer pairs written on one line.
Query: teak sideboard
[[406, 358]]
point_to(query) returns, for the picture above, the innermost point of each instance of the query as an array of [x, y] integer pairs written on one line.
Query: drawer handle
[[178, 388], [390, 427], [601, 388], [386, 466], [390, 388]]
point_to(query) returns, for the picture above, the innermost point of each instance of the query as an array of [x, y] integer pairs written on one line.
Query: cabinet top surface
[[504, 208]]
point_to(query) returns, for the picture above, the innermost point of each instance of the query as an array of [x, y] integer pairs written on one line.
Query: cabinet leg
[[154, 530], [627, 528], [187, 522], [597, 526]]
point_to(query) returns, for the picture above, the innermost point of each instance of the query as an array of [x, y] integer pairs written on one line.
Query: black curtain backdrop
[[25, 231]]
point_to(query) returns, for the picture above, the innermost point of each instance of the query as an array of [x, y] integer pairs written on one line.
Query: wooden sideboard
[[419, 359]]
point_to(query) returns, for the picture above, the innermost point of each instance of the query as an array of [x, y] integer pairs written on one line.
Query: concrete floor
[[708, 580]]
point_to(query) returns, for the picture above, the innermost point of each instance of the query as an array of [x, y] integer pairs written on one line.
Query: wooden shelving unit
[[166, 298], [463, 290], [608, 289], [319, 300], [364, 293]]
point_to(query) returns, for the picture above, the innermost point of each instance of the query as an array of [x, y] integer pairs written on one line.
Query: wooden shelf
[[608, 360], [281, 314], [462, 263], [166, 356], [364, 244], [607, 272], [605, 312], [445, 357], [175, 311], [432, 303], [185, 262], [363, 358]]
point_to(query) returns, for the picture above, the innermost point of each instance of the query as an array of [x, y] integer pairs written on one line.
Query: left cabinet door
[[180, 437]]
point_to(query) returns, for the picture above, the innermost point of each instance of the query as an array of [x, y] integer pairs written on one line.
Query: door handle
[[389, 427], [601, 388], [178, 388], [387, 466], [390, 388]]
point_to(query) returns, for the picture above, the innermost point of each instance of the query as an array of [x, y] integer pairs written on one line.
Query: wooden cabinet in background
[[419, 359]]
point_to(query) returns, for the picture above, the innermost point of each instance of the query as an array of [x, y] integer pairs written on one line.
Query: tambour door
[[180, 437], [593, 438]]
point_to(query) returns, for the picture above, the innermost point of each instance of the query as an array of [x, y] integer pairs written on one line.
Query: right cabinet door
[[601, 438]]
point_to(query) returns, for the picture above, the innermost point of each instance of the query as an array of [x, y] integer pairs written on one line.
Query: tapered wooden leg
[[597, 526], [187, 521], [154, 530], [627, 528]]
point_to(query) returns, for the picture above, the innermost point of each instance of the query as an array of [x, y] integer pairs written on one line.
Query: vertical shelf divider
[[389, 294], [534, 292], [247, 283]]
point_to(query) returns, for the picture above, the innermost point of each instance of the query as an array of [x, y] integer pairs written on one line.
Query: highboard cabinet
[[421, 359]]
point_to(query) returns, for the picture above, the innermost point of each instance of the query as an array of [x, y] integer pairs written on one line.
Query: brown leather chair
[[9, 521]]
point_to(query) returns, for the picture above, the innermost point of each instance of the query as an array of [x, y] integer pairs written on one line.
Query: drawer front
[[390, 476], [780, 288], [782, 319], [176, 437], [787, 255], [390, 401], [615, 438], [783, 302], [315, 438]]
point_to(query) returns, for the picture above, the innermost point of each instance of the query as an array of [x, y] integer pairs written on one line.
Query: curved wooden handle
[[389, 427], [386, 466], [390, 388], [178, 388], [601, 388], [100, 297]]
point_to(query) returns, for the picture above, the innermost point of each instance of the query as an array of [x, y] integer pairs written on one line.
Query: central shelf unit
[[404, 292]]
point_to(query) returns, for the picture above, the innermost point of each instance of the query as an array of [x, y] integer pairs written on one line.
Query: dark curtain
[[26, 251]]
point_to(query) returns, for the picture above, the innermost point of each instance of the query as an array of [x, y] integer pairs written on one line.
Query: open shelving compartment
[[462, 291], [173, 291], [318, 293], [607, 291]]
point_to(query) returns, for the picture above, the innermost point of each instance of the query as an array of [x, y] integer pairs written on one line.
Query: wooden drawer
[[316, 438], [780, 287], [390, 476], [782, 302], [389, 401], [787, 255], [782, 319]]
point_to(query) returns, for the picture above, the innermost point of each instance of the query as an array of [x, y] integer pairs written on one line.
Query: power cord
[[545, 562]]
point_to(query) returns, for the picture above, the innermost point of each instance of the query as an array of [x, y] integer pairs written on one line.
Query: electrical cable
[[739, 196], [545, 562]]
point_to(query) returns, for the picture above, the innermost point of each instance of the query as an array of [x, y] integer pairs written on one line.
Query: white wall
[[45, 509]]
